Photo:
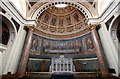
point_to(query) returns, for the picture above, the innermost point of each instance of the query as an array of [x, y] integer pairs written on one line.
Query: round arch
[[11, 27], [5, 50], [45, 6], [114, 26]]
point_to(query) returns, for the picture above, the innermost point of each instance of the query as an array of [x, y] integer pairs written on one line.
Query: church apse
[[78, 48]]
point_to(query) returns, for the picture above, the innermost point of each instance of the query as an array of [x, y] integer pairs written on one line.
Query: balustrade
[[62, 64]]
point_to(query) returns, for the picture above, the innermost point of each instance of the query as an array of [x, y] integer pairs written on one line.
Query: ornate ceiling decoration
[[61, 20], [67, 22], [36, 8]]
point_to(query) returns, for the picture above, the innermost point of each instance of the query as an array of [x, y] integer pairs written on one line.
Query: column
[[110, 50], [67, 67], [25, 54], [56, 67], [13, 53], [17, 51], [99, 52]]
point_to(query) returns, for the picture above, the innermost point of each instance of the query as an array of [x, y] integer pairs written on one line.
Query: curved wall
[[80, 47]]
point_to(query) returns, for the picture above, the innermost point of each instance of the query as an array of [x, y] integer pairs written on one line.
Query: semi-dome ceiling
[[61, 21]]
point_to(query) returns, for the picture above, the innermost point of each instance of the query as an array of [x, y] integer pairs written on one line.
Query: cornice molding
[[9, 7], [112, 8]]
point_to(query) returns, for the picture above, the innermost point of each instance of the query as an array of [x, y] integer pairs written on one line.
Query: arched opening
[[7, 36], [62, 50], [115, 32], [7, 33]]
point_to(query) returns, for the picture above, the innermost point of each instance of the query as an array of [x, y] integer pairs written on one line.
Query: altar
[[62, 64]]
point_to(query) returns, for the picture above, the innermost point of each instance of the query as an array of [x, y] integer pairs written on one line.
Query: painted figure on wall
[[46, 18], [69, 20], [61, 22], [89, 44], [53, 21], [76, 17], [34, 45]]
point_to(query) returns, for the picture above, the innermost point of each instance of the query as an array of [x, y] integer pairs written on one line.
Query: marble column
[[99, 52], [25, 54], [109, 48]]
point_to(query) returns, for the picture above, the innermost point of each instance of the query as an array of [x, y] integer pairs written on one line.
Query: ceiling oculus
[[60, 5]]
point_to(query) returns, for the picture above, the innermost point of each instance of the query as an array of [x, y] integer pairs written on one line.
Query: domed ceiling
[[61, 21]]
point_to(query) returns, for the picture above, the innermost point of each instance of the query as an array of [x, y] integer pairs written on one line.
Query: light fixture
[[60, 5]]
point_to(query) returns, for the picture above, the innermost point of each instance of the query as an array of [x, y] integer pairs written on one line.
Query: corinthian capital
[[94, 26], [30, 27]]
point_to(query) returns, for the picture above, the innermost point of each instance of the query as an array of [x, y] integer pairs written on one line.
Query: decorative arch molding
[[5, 49], [113, 30], [11, 27], [81, 7], [113, 21]]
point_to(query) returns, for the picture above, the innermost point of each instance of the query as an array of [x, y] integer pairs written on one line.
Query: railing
[[62, 65]]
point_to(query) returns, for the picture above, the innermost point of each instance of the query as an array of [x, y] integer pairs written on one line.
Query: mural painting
[[62, 47], [68, 20], [60, 22], [35, 45], [53, 22], [78, 46], [88, 44], [46, 18], [76, 17]]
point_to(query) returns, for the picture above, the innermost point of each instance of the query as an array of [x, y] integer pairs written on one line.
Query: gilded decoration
[[62, 21]]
